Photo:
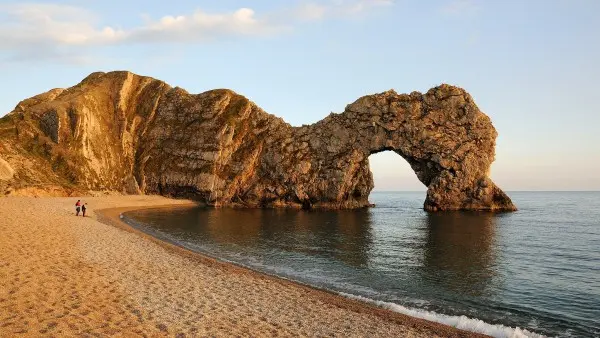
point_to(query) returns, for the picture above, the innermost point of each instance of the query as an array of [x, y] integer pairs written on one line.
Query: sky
[[532, 66]]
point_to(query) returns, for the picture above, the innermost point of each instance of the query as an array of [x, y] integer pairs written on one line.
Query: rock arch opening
[[391, 172]]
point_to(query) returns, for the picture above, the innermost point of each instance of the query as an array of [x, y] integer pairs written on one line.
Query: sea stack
[[123, 132]]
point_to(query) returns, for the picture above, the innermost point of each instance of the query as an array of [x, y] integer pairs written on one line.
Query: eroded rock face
[[6, 171], [120, 131]]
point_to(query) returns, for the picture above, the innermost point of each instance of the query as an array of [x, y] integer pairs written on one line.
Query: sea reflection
[[457, 249], [342, 235], [459, 252]]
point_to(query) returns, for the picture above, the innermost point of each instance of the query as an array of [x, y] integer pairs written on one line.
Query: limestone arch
[[448, 142], [222, 149]]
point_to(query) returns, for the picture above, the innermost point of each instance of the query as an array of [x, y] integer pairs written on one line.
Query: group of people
[[80, 207]]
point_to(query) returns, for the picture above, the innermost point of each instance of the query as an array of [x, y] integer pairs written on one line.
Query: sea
[[530, 273]]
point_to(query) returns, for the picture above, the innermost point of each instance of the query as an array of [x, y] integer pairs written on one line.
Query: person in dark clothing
[[83, 208], [77, 207]]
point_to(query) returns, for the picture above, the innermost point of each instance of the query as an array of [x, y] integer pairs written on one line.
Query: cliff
[[122, 132]]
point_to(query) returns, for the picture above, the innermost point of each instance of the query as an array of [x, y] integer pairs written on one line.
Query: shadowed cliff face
[[122, 132]]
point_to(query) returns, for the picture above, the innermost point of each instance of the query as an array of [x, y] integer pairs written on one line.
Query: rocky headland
[[127, 133]]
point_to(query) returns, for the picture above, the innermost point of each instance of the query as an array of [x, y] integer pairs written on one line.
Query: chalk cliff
[[122, 132]]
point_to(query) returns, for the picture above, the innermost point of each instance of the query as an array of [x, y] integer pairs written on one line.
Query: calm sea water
[[537, 269]]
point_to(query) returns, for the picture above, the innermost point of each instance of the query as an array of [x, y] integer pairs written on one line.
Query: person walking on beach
[[83, 208], [77, 207]]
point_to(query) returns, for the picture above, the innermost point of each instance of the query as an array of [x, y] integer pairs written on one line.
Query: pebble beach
[[63, 275]]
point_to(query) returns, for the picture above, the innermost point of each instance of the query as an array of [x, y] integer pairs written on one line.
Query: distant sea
[[527, 273]]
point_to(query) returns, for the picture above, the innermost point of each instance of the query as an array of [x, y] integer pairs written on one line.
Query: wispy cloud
[[67, 25], [337, 8], [461, 7], [30, 31]]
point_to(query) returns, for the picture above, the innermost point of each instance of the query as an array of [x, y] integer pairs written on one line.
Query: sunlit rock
[[122, 132]]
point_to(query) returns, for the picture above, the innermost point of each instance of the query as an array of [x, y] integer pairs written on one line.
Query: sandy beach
[[63, 275]]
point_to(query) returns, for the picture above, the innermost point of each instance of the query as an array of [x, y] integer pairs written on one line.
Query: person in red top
[[77, 207]]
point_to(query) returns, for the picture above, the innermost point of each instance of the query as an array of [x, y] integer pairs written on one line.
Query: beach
[[63, 275]]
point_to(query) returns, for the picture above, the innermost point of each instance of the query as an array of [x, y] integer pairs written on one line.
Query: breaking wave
[[459, 322]]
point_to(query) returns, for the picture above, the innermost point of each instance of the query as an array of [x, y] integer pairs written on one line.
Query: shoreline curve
[[111, 216]]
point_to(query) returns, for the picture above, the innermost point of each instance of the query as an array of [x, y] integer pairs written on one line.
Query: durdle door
[[119, 131]]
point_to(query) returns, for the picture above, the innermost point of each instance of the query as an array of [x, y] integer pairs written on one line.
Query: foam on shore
[[459, 322]]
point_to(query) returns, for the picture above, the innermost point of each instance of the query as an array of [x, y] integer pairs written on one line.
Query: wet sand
[[63, 275]]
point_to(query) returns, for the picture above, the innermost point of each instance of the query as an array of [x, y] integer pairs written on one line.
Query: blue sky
[[532, 66]]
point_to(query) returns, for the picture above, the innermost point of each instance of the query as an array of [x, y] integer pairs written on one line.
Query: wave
[[459, 322]]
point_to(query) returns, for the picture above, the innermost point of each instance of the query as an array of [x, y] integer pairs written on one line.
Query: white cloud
[[65, 25], [41, 30], [31, 24], [201, 26]]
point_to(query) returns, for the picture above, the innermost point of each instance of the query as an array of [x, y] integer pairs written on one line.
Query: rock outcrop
[[6, 172], [122, 132]]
